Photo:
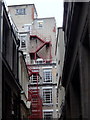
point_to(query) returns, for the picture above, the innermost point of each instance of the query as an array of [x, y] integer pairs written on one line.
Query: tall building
[[60, 52], [38, 39], [14, 104], [41, 56], [76, 71], [9, 82], [45, 28]]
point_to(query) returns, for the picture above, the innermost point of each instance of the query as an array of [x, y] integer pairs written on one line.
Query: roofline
[[57, 38], [19, 5], [24, 5], [45, 18]]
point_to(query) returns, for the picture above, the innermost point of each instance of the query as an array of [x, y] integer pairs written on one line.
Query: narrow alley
[[44, 69]]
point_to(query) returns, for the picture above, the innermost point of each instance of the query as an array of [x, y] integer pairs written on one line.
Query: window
[[20, 11], [48, 115], [40, 24], [24, 56], [27, 27], [57, 113], [23, 41], [47, 95], [47, 73], [56, 95], [39, 61]]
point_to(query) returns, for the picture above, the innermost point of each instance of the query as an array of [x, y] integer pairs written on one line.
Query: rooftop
[[24, 5]]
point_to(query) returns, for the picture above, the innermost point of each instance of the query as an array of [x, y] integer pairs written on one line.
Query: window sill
[[47, 82], [47, 104]]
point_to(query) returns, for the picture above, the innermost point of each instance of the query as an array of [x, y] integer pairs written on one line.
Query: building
[[24, 79], [23, 16], [76, 71], [42, 56], [10, 87], [60, 51], [45, 28], [41, 50], [38, 47], [13, 79]]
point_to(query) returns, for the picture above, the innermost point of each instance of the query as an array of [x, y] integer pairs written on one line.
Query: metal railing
[[35, 32], [42, 62]]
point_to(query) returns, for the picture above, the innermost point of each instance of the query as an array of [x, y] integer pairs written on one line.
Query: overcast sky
[[45, 8]]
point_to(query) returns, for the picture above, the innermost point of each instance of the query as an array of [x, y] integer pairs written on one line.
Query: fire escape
[[34, 95], [45, 41]]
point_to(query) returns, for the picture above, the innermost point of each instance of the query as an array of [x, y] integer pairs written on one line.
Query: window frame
[[48, 113], [47, 96], [23, 44], [47, 75], [40, 24], [22, 38], [21, 11]]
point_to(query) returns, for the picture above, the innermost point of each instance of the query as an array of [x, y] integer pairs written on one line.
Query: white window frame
[[47, 96], [47, 75], [48, 115]]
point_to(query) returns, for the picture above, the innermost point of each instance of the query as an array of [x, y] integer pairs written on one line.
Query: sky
[[45, 8]]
